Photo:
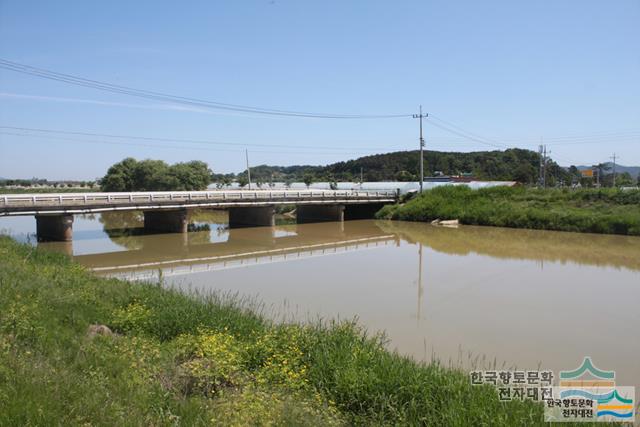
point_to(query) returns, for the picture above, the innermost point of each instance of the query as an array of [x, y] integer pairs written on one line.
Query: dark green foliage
[[307, 179], [594, 211], [509, 165], [156, 175]]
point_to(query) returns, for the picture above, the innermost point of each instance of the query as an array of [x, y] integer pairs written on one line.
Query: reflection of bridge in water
[[173, 255]]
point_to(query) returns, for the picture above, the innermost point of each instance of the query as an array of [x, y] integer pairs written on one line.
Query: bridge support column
[[54, 228], [259, 216], [170, 221], [319, 213]]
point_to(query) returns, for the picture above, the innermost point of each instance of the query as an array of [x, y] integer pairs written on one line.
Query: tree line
[[509, 165]]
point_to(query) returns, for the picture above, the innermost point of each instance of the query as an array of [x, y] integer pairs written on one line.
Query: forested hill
[[510, 165]]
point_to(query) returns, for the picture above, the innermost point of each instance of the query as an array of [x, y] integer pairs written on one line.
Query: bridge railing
[[86, 199]]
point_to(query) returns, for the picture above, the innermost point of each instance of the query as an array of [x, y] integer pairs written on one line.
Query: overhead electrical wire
[[179, 147], [211, 142], [159, 96], [467, 136], [188, 141]]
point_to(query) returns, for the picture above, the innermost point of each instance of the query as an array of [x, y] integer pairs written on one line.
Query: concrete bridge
[[167, 212]]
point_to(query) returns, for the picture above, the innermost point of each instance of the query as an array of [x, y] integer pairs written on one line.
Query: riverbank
[[169, 358], [608, 211]]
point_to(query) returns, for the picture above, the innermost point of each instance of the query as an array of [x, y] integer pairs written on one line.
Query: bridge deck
[[72, 203]]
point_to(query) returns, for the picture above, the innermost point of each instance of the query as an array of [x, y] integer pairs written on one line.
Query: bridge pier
[[319, 213], [54, 228], [252, 217], [166, 221]]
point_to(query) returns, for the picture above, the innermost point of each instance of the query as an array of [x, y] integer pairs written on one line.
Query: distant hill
[[509, 165], [634, 171]]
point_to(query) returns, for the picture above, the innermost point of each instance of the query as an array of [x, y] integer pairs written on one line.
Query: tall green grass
[[609, 211], [198, 360]]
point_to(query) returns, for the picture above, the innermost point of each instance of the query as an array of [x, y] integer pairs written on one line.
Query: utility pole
[[614, 169], [361, 176], [420, 116], [541, 150], [246, 153], [544, 176]]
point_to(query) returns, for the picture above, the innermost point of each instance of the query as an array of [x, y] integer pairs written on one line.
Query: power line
[[446, 142], [178, 147], [182, 140], [241, 145], [467, 136], [160, 96], [562, 140]]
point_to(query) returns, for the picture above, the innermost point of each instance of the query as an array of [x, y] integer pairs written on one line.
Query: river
[[472, 297]]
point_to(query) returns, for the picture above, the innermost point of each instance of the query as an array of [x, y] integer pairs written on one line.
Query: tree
[[524, 173], [156, 175], [307, 179], [193, 175], [242, 180], [624, 179], [404, 176], [224, 181]]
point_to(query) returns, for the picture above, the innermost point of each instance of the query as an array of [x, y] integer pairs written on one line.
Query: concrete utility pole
[[246, 153], [544, 176], [614, 169], [420, 116], [542, 151]]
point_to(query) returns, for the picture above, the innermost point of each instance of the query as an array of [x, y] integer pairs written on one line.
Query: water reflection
[[538, 245], [179, 254]]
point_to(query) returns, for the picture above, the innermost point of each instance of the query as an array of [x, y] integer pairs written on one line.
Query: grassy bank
[[197, 360], [609, 211]]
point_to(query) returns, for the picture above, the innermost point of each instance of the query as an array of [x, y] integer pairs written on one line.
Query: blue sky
[[510, 73]]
